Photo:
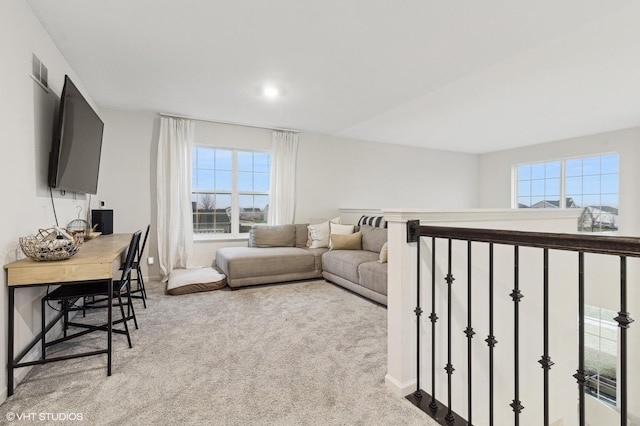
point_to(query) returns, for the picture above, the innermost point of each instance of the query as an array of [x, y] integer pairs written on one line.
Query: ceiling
[[465, 76]]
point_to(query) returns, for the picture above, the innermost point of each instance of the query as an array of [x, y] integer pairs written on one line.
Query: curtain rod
[[206, 120]]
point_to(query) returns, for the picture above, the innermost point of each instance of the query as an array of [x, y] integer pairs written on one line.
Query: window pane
[[574, 201], [552, 169], [609, 183], [524, 172], [573, 185], [261, 162], [223, 181], [537, 171], [537, 202], [552, 188], [245, 181], [524, 202], [524, 188], [252, 210], [261, 182], [223, 159], [591, 184], [537, 187], [573, 167], [204, 158], [245, 161], [204, 180], [609, 163], [610, 200], [591, 166], [223, 201], [591, 200]]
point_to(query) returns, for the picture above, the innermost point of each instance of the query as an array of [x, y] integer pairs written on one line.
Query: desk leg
[[109, 325], [10, 331]]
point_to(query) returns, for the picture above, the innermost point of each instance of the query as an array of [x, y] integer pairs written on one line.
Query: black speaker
[[104, 221]]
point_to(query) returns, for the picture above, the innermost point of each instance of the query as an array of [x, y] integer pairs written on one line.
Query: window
[[589, 183], [600, 353], [230, 189]]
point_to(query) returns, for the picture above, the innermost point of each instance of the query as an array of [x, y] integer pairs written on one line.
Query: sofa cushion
[[302, 234], [272, 236], [246, 262], [373, 275], [373, 238], [344, 263]]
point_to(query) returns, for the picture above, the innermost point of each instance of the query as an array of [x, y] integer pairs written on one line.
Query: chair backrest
[[131, 253], [144, 243]]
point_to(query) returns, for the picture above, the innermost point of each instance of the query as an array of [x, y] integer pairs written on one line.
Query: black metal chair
[[67, 295], [140, 292]]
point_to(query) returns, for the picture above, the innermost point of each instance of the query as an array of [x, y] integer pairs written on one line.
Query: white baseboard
[[398, 388]]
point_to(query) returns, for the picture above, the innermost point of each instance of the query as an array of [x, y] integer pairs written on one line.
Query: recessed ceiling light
[[270, 92]]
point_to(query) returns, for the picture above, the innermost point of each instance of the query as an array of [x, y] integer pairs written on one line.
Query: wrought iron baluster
[[624, 321], [545, 361], [449, 368], [469, 333], [433, 405], [516, 295], [418, 312], [580, 374], [491, 339]]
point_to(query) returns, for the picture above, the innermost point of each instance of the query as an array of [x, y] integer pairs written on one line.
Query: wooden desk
[[97, 259]]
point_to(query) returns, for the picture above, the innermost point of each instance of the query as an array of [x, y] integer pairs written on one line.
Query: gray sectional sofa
[[279, 253], [360, 270]]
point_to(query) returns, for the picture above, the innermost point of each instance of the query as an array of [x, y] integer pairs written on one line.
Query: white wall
[[26, 111], [335, 172], [128, 151]]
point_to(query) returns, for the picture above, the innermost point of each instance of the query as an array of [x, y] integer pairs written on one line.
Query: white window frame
[[235, 196], [563, 194]]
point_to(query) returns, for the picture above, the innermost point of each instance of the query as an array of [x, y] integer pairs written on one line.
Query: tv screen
[[75, 153]]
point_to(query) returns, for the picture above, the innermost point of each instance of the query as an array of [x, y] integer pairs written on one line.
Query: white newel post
[[401, 296]]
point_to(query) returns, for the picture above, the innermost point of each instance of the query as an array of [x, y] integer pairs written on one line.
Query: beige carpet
[[306, 353]]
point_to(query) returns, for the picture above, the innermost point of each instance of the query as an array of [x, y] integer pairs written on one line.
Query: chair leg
[[124, 320], [130, 302], [65, 310], [143, 290], [44, 335]]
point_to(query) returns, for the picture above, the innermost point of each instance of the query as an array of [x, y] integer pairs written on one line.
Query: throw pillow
[[319, 234], [375, 221], [346, 241], [384, 253], [336, 228], [373, 238]]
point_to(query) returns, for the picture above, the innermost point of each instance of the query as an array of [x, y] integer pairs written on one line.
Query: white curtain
[[175, 220], [282, 204]]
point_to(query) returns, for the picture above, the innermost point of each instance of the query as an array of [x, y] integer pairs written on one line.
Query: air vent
[[39, 72]]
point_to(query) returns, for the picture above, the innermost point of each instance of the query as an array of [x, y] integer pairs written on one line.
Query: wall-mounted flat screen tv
[[76, 148]]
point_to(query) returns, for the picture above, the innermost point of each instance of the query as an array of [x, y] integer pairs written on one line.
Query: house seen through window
[[230, 189], [587, 183]]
